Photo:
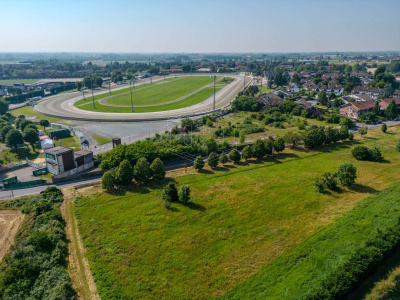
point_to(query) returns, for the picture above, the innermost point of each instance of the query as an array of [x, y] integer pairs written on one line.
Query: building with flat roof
[[59, 159]]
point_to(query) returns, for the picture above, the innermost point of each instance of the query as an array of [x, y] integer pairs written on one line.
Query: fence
[[20, 185], [58, 179], [36, 165]]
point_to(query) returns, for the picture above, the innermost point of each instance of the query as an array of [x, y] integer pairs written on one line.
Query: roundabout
[[159, 98]]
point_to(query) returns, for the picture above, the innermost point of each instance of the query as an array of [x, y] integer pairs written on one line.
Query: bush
[[223, 158], [184, 194], [346, 174], [212, 160], [244, 103], [247, 153], [376, 154], [351, 136], [347, 122], [279, 144], [259, 149], [234, 155], [319, 184], [142, 172], [198, 163], [384, 128], [329, 180], [124, 173], [108, 181], [333, 118], [361, 153], [170, 194], [157, 169], [209, 123]]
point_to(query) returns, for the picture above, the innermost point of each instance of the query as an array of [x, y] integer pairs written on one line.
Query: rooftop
[[58, 150], [80, 153]]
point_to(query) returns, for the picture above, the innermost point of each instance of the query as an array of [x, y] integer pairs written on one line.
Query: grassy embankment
[[243, 218], [159, 95], [101, 140]]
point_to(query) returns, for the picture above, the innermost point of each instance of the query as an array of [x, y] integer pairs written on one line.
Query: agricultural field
[[12, 81], [244, 219], [9, 223], [177, 93]]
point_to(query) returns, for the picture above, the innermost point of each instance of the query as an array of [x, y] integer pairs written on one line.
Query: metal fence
[[60, 179]]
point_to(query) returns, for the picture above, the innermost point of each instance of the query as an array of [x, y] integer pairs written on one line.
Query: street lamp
[[94, 104], [130, 86]]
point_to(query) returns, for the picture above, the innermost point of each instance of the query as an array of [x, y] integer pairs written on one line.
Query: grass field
[[243, 217], [191, 100], [29, 112], [12, 81], [101, 140]]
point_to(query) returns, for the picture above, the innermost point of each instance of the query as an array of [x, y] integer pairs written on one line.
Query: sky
[[199, 26]]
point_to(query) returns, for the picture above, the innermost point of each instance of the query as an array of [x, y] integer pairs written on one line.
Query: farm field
[[190, 100], [243, 218]]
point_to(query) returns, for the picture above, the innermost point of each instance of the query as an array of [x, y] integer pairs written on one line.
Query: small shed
[[82, 157]]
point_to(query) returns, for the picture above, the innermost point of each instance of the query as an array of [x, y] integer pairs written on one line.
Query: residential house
[[304, 103], [273, 100], [357, 108], [384, 103]]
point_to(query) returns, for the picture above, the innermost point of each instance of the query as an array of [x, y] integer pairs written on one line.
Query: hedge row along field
[[35, 267], [330, 263]]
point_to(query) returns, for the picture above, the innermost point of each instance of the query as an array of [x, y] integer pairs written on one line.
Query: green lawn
[[101, 140], [8, 155], [243, 218], [12, 81], [71, 142], [29, 112], [191, 100], [89, 98]]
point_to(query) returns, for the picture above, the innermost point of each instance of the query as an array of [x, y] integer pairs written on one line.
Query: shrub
[[333, 118], [363, 130], [384, 128], [124, 173], [347, 174], [234, 155], [319, 184], [361, 153], [247, 153], [209, 123], [108, 181], [351, 136], [347, 122], [269, 146], [170, 194], [244, 103], [198, 163], [184, 194], [157, 169], [142, 171], [376, 154], [329, 180], [242, 137], [223, 158], [212, 160], [398, 146]]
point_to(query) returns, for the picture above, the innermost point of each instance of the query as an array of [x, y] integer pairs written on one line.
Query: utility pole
[[130, 86], [151, 79], [83, 95], [109, 85], [214, 97], [94, 104], [244, 82]]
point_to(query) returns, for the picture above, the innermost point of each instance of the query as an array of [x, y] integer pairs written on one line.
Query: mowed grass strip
[[243, 218], [196, 98]]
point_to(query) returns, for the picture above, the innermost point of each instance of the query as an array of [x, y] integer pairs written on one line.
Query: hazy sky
[[199, 26]]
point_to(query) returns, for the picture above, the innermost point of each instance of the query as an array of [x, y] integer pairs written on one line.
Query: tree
[[3, 106], [212, 160], [157, 168], [31, 136], [14, 138], [188, 123], [184, 194], [391, 111], [344, 133], [78, 85], [296, 78], [209, 123], [142, 171], [259, 149], [198, 163], [223, 158], [186, 68], [211, 144], [346, 174], [234, 155], [124, 174], [44, 123], [292, 138], [269, 146], [363, 130], [244, 103], [348, 69], [247, 153], [348, 87], [332, 96], [322, 98], [242, 137], [87, 82], [279, 144], [376, 109], [3, 132], [108, 181], [384, 128], [170, 194], [98, 81], [347, 122]]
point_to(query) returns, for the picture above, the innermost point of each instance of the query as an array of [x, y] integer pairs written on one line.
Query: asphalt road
[[62, 105]]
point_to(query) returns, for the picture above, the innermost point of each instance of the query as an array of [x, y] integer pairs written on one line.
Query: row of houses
[[364, 105]]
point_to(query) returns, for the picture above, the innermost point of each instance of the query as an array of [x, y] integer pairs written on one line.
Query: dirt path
[[9, 223], [78, 265]]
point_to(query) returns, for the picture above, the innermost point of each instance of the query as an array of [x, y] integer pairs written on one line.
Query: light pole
[[214, 97], [94, 104], [244, 82], [83, 95], [109, 85], [130, 86]]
